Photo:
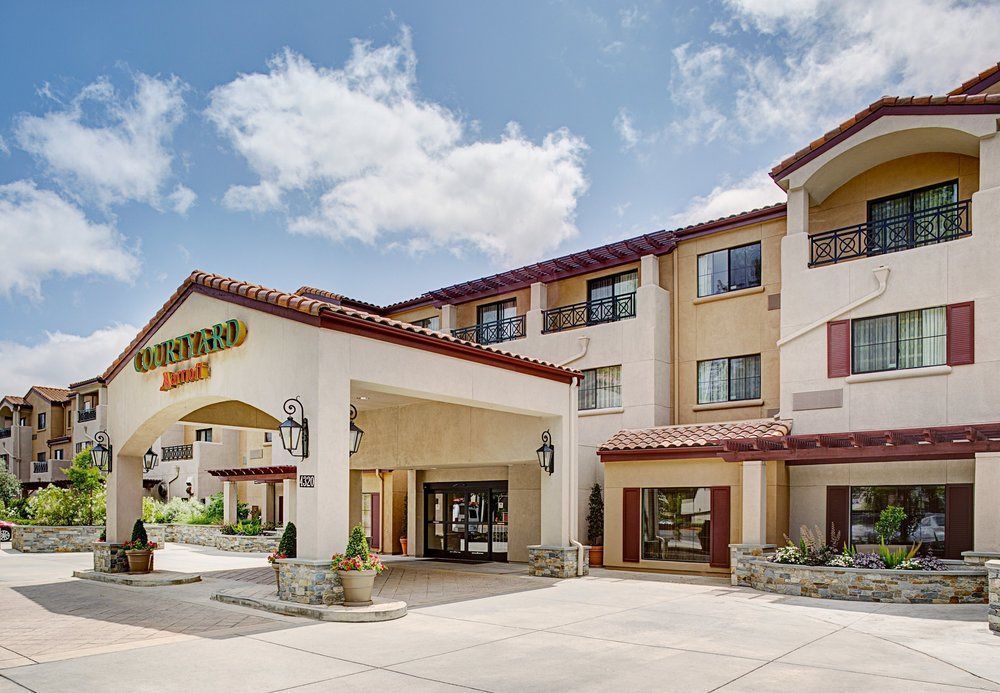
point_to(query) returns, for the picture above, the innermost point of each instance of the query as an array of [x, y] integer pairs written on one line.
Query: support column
[[986, 525], [557, 556], [124, 499], [448, 319], [649, 270], [355, 502], [411, 512], [229, 512], [288, 489], [535, 317], [754, 502], [267, 509]]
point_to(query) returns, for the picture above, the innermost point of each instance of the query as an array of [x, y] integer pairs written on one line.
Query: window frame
[[43, 420], [643, 556], [424, 323], [729, 269], [909, 195], [200, 437], [729, 378], [855, 321], [58, 454], [898, 488], [596, 389]]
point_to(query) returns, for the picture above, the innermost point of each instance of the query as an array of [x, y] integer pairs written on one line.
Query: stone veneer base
[[305, 581], [556, 561], [109, 558], [377, 611], [993, 572], [157, 578], [54, 539]]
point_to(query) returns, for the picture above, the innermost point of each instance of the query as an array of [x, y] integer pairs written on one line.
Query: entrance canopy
[[257, 474]]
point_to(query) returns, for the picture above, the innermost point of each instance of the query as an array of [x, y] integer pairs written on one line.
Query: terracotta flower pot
[[358, 586], [596, 556], [140, 561], [403, 542]]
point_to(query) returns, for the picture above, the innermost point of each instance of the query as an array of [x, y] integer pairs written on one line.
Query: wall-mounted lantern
[[356, 432], [101, 453], [150, 460], [295, 434], [547, 454]]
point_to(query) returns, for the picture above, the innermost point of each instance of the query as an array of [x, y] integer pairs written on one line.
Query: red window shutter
[[376, 521], [719, 549], [631, 524], [961, 334], [838, 513], [838, 349], [958, 520]]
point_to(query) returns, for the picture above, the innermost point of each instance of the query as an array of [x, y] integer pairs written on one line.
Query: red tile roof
[[337, 299], [901, 105], [56, 395], [418, 336], [983, 80], [687, 436], [18, 401]]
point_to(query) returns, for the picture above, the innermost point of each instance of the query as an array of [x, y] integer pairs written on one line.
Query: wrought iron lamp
[[547, 454], [295, 434], [101, 453], [356, 432], [150, 460]]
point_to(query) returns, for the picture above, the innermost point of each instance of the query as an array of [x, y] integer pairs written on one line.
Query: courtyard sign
[[218, 337], [172, 379]]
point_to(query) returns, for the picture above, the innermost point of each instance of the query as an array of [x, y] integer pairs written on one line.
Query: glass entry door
[[466, 520]]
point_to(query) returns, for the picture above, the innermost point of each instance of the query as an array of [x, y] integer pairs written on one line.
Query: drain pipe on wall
[[881, 276], [584, 344], [574, 481]]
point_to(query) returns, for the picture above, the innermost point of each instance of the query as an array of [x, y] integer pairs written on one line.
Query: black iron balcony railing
[[492, 332], [86, 415], [5, 432], [903, 232], [595, 312], [177, 452], [39, 467]]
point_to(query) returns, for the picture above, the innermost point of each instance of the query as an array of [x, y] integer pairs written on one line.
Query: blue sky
[[382, 149]]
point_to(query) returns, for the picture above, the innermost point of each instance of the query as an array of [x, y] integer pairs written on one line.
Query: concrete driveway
[[484, 628]]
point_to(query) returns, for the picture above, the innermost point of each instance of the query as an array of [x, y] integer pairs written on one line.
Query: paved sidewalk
[[495, 629]]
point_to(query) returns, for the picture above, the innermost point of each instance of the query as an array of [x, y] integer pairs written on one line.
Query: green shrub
[[894, 558], [10, 488], [288, 543], [139, 532], [595, 517], [357, 545], [888, 523]]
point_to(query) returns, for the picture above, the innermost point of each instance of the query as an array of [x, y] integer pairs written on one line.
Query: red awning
[[255, 473]]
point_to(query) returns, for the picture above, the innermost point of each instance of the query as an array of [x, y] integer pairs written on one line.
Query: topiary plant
[[888, 523], [595, 517], [357, 545], [288, 541], [139, 533]]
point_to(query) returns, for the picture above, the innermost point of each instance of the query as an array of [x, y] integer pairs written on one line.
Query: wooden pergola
[[260, 475], [891, 445]]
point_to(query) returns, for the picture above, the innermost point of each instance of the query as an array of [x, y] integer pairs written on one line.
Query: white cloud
[[356, 153], [42, 235], [756, 190], [4, 149], [796, 68], [60, 359], [626, 129], [632, 17], [111, 149]]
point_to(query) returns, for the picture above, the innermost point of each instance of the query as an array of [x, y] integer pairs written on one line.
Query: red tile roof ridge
[[971, 83]]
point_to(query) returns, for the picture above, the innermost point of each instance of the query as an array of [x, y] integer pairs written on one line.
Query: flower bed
[[958, 583], [211, 535]]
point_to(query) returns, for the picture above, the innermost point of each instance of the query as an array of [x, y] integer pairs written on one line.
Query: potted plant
[[357, 568], [403, 541], [139, 550], [595, 526], [286, 549]]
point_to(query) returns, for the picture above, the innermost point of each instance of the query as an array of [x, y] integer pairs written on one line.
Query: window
[[204, 435], [611, 298], [601, 388], [729, 270], [58, 455], [40, 457], [676, 524], [42, 421], [431, 323], [267, 437], [366, 514], [729, 380], [905, 220], [925, 514], [912, 339], [490, 325], [80, 447]]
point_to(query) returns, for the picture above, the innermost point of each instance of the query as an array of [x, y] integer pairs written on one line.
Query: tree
[[288, 543], [357, 545], [86, 480], [10, 488], [595, 517], [139, 533]]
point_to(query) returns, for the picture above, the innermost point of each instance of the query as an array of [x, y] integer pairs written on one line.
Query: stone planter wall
[[309, 582], [209, 535], [109, 558], [993, 567], [45, 539], [961, 585], [556, 561], [739, 559]]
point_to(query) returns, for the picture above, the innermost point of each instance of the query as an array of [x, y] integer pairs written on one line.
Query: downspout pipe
[[881, 276], [574, 480], [584, 345]]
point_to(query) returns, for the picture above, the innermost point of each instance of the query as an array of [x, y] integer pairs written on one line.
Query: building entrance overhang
[[268, 475]]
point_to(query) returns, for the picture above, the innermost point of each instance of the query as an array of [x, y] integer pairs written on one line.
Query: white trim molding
[[737, 404], [898, 374]]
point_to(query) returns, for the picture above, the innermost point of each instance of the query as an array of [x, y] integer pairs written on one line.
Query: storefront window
[[924, 507], [676, 524]]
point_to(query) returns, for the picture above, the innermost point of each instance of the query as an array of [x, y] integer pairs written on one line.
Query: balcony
[[5, 432], [172, 453], [86, 415], [904, 232], [39, 467], [595, 312], [492, 332]]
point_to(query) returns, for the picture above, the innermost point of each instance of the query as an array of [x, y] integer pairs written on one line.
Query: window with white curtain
[[911, 339], [601, 388], [729, 379], [731, 269]]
